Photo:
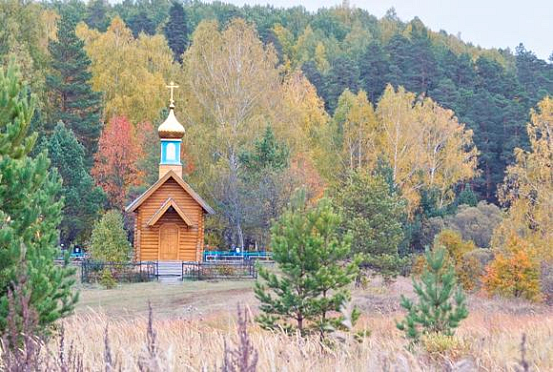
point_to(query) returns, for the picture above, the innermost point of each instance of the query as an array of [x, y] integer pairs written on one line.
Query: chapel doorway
[[169, 242]]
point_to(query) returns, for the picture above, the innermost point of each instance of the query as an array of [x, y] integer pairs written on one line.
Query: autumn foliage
[[115, 166], [514, 272], [456, 249]]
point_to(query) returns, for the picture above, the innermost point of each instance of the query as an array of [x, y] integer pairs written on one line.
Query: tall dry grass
[[487, 342]]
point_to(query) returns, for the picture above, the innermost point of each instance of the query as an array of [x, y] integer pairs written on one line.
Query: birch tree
[[234, 88], [424, 144], [528, 187]]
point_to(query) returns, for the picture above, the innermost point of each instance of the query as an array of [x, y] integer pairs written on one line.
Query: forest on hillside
[[272, 99]]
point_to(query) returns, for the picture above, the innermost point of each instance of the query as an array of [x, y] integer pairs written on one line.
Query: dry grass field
[[193, 320]]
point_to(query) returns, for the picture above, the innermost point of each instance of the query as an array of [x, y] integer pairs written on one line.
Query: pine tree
[[313, 278], [72, 98], [142, 23], [373, 69], [176, 31], [96, 11], [268, 154], [441, 302], [343, 74], [467, 197], [30, 211], [83, 200], [374, 215], [109, 241]]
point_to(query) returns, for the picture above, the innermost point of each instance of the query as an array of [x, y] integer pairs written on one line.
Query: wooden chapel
[[169, 224]]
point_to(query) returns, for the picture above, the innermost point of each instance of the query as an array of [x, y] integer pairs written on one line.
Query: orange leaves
[[514, 272], [115, 167]]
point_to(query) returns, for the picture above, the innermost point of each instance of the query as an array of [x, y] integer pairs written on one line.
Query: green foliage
[[141, 23], [96, 15], [268, 153], [30, 211], [441, 303], [106, 279], [83, 200], [467, 197], [176, 30], [109, 239], [310, 285], [373, 214], [71, 97], [21, 39]]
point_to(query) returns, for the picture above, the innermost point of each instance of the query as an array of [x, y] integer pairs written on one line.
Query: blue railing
[[233, 255]]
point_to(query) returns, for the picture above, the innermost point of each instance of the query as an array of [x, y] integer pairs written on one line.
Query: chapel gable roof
[[186, 187], [170, 203]]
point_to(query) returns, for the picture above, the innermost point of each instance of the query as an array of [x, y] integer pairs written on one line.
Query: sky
[[488, 23]]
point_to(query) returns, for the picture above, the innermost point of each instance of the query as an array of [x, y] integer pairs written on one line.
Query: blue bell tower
[[170, 133]]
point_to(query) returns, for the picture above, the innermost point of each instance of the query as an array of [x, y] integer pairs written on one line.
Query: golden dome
[[171, 128]]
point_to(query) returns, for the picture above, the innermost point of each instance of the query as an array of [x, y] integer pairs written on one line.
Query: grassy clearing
[[192, 321]]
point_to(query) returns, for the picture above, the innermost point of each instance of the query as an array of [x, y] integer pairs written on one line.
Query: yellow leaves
[[528, 187], [130, 72], [454, 244], [302, 97], [356, 119], [286, 40], [233, 89], [514, 271], [321, 60], [424, 145], [305, 111], [357, 40]]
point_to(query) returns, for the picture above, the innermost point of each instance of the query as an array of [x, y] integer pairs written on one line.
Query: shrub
[[440, 345], [109, 239], [472, 268], [514, 272], [441, 303], [456, 249], [225, 270], [476, 223], [418, 265], [106, 279]]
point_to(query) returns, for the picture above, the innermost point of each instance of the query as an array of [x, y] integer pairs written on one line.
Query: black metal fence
[[219, 270], [92, 271]]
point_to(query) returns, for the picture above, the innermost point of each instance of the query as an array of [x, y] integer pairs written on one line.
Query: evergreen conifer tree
[[313, 278], [373, 69], [343, 73], [176, 31], [441, 302], [142, 23], [374, 215], [30, 211], [268, 154], [109, 241], [83, 200], [72, 98], [96, 14], [467, 197]]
